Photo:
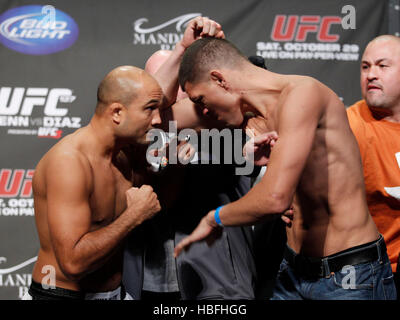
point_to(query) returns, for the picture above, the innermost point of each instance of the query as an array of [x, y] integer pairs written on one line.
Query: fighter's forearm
[[167, 74], [95, 248], [255, 206]]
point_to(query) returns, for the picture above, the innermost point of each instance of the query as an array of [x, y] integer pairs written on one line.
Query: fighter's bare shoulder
[[304, 87], [66, 159], [305, 92]]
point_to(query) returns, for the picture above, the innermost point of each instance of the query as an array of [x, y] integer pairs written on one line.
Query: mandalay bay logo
[[13, 277], [164, 35]]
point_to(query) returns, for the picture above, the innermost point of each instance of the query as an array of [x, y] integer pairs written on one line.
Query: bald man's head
[[388, 46], [156, 60], [120, 85], [380, 72], [128, 102], [385, 38]]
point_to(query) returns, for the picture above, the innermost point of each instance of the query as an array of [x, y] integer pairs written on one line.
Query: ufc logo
[[49, 133], [22, 101], [14, 183], [293, 27]]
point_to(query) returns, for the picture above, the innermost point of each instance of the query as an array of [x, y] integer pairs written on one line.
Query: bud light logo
[[37, 30]]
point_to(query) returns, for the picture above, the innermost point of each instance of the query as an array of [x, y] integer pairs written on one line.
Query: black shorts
[[37, 292]]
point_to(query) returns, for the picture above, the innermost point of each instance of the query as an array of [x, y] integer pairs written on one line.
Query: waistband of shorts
[[323, 266], [37, 291], [108, 295]]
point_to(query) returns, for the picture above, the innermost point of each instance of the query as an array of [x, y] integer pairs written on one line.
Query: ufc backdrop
[[53, 54]]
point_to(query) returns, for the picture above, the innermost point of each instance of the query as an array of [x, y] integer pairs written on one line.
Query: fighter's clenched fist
[[142, 203]]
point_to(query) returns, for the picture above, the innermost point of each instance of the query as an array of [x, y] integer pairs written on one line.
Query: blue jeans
[[366, 281]]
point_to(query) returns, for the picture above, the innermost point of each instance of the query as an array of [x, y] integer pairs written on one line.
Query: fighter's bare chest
[[108, 200]]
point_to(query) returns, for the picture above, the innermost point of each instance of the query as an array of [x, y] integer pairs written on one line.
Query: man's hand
[[142, 203], [259, 147], [255, 125], [185, 152], [207, 229], [287, 216], [182, 151], [201, 27]]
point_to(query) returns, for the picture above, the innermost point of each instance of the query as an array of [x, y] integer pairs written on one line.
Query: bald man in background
[[85, 202], [375, 122]]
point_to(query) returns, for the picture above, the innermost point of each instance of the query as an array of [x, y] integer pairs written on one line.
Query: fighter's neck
[[261, 91], [101, 140]]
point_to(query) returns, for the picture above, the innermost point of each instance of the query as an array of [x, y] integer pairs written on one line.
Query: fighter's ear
[[116, 112], [219, 78]]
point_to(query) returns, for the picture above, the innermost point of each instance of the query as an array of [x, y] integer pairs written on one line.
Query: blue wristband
[[216, 216]]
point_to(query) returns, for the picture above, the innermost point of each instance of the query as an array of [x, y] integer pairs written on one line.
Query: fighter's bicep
[[299, 116], [68, 210], [298, 121], [186, 115]]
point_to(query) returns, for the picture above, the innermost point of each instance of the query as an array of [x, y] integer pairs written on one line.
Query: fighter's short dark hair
[[205, 54]]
